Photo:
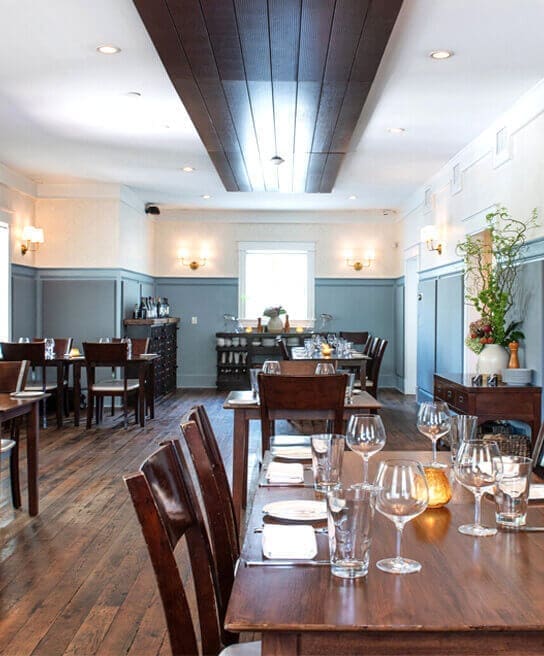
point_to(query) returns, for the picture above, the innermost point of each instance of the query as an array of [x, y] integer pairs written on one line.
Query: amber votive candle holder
[[439, 486]]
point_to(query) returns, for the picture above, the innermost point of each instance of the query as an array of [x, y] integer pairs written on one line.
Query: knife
[[286, 563], [525, 529]]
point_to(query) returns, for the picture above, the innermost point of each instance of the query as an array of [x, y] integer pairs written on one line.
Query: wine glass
[[49, 347], [365, 436], [478, 466], [434, 421], [271, 367], [324, 369], [401, 495], [104, 340]]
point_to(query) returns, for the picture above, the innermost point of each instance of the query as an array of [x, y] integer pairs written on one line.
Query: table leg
[[151, 389], [240, 441], [60, 393], [32, 438], [362, 375], [77, 392], [141, 394]]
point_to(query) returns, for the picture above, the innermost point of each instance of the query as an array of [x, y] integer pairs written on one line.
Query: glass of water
[[512, 491], [271, 367], [327, 458]]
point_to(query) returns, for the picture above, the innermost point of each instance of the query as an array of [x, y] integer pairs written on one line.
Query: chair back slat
[[105, 354], [360, 338], [13, 376], [167, 508], [140, 345], [34, 352], [300, 393], [300, 367], [217, 502], [375, 365]]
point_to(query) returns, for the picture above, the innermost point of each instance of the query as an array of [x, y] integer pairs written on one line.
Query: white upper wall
[[513, 177], [337, 235], [17, 209]]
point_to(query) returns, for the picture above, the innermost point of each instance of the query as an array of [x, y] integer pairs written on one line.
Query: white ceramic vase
[[275, 325], [492, 359]]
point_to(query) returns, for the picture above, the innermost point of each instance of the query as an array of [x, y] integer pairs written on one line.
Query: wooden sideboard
[[163, 340], [520, 403]]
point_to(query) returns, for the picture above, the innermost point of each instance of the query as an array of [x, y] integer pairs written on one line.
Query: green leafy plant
[[491, 268], [273, 311]]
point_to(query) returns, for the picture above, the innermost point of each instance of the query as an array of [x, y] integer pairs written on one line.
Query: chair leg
[[14, 465], [125, 410], [90, 403], [112, 406], [44, 413]]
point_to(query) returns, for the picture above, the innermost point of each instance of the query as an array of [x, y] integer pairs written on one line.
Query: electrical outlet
[[194, 320]]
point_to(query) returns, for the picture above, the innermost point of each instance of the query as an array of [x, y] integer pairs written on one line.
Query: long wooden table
[[146, 373], [473, 596], [355, 360], [11, 408], [250, 410]]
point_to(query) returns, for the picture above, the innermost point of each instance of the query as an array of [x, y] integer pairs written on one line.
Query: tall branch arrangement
[[491, 269]]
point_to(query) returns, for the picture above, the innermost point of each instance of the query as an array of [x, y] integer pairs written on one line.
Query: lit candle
[[299, 329], [439, 486], [249, 329], [326, 349]]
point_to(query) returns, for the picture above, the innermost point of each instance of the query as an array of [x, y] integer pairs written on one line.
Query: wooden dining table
[[246, 408], [146, 377], [473, 596], [355, 360], [29, 407]]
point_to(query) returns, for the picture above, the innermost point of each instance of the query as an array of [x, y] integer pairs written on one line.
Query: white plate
[[248, 401], [26, 394], [292, 452], [297, 510]]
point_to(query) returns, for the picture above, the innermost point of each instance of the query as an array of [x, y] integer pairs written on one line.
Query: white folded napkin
[[293, 452], [285, 472], [289, 541], [536, 491]]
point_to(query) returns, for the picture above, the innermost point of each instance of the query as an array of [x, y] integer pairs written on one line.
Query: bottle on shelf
[[143, 309], [136, 312], [259, 325], [287, 326]]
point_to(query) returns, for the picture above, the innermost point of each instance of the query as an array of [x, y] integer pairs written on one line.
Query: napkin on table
[[285, 472], [291, 542]]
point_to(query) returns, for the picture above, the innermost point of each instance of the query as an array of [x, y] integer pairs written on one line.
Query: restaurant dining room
[[271, 327]]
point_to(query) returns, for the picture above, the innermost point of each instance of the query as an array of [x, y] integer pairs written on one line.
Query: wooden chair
[[167, 507], [218, 508], [368, 346], [140, 345], [63, 346], [293, 396], [373, 375], [34, 352], [355, 337], [115, 356], [284, 351], [299, 367], [13, 377]]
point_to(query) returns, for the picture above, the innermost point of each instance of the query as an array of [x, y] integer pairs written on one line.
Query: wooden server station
[[163, 340]]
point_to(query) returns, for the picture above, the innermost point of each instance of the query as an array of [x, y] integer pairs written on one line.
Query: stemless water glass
[[271, 367], [324, 369], [478, 467], [49, 347], [104, 340], [365, 436], [401, 495], [434, 421], [24, 340]]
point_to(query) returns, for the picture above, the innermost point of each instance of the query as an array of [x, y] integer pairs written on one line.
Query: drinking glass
[[365, 436], [401, 495], [104, 340], [254, 380], [327, 458], [478, 467], [324, 369], [271, 367], [434, 421], [512, 491], [463, 428], [49, 347], [24, 340]]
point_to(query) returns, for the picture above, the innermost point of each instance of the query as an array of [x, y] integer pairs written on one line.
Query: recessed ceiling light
[[108, 50], [352, 197], [187, 169], [396, 130], [206, 196], [277, 160], [440, 54]]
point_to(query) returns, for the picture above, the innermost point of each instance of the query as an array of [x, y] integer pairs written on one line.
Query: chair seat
[[49, 387], [6, 445], [116, 385], [243, 649]]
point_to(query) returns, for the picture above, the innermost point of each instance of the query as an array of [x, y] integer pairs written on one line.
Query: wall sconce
[[361, 264], [194, 264], [32, 238], [429, 235]]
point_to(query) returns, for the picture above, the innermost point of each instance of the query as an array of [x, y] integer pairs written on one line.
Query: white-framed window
[[276, 273]]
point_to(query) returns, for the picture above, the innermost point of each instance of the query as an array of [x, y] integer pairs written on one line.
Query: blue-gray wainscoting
[[90, 303]]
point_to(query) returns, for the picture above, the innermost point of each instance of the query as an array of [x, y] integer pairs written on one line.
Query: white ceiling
[[65, 116]]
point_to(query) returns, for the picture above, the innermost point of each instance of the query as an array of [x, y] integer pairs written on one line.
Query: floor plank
[[76, 579]]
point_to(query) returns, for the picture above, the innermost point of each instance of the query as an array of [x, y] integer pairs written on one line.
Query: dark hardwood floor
[[76, 579]]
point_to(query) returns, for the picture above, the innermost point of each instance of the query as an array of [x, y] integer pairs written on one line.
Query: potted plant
[[275, 324], [491, 268]]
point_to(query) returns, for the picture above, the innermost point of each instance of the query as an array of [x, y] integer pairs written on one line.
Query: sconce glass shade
[[38, 237], [429, 233], [439, 486], [32, 238]]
